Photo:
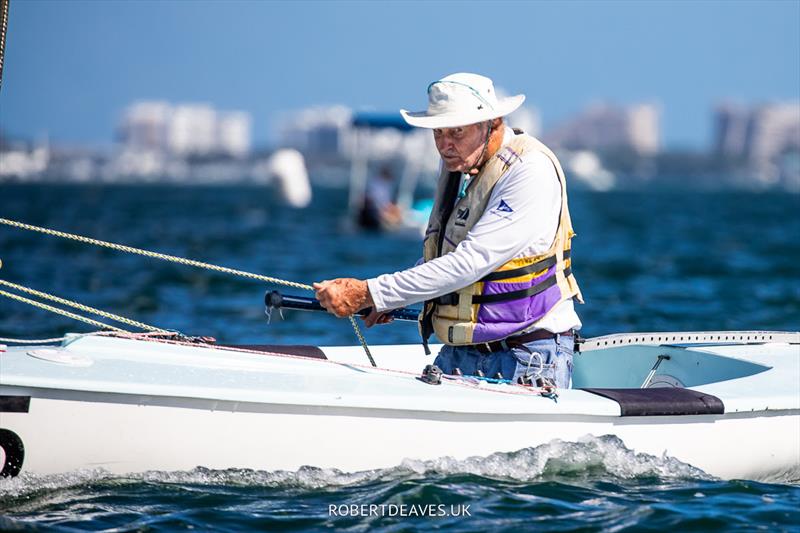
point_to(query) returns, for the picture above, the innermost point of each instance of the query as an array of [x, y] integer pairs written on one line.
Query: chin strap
[[480, 161]]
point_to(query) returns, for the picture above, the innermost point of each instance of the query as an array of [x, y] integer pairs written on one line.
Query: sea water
[[646, 262]]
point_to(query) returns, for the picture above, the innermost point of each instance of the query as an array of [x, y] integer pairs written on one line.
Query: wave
[[605, 456], [596, 483], [590, 457]]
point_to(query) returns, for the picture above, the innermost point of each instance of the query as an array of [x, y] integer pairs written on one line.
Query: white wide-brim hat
[[461, 99]]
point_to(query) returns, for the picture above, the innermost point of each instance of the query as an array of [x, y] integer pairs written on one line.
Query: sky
[[71, 67]]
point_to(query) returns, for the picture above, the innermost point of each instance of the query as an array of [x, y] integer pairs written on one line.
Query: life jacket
[[521, 291]]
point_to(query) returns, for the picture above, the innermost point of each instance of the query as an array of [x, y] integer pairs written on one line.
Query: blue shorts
[[547, 358]]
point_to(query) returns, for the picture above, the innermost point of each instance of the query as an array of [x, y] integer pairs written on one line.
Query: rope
[[3, 29], [179, 260], [361, 339], [71, 337], [81, 307], [32, 341], [156, 255], [58, 311]]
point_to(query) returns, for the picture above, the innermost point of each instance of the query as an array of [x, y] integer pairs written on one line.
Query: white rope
[[156, 255], [81, 307], [58, 311], [32, 341], [165, 257], [71, 337]]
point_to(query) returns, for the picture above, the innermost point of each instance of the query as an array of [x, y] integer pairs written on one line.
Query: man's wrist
[[368, 301]]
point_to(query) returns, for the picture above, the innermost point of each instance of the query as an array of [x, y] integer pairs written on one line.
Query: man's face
[[460, 147]]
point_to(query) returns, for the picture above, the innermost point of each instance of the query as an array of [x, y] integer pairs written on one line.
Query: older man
[[496, 278]]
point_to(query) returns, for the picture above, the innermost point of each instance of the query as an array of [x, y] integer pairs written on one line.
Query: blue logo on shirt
[[504, 207]]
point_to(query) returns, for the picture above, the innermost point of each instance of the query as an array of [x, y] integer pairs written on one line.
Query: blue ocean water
[[646, 262]]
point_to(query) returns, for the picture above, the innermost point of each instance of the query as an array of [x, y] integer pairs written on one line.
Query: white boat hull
[[124, 438], [252, 419]]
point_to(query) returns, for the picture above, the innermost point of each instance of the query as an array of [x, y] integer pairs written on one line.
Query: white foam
[[591, 457], [305, 477], [26, 483]]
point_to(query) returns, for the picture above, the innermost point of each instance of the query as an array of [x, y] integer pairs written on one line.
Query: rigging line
[[32, 341], [71, 337], [362, 340], [58, 311], [179, 260], [3, 29], [155, 255], [82, 307]]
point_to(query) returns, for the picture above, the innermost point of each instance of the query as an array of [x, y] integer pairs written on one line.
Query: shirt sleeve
[[521, 218]]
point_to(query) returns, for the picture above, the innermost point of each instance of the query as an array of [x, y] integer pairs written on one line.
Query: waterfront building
[[23, 162], [322, 132], [234, 133], [606, 127], [185, 130], [766, 137], [144, 125], [757, 133]]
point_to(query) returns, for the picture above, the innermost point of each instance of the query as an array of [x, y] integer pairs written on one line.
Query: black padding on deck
[[662, 401], [301, 350], [15, 404]]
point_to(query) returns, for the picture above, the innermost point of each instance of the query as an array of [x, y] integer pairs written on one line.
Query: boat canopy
[[375, 119]]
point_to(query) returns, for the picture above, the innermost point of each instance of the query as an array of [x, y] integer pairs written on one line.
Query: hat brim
[[422, 119]]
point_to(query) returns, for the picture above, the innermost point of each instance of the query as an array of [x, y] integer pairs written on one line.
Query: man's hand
[[376, 318], [343, 296]]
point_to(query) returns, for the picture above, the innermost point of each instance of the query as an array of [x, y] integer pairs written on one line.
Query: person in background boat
[[379, 210], [496, 274]]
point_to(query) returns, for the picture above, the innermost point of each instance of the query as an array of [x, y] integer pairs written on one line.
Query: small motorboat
[[414, 156], [725, 402]]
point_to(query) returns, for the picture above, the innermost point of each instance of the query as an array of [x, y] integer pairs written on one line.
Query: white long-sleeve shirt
[[525, 226]]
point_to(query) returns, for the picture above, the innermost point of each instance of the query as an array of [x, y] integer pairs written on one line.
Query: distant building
[[24, 162], [322, 132], [185, 129], [144, 125], [757, 133], [234, 132], [731, 130], [605, 127], [192, 130]]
